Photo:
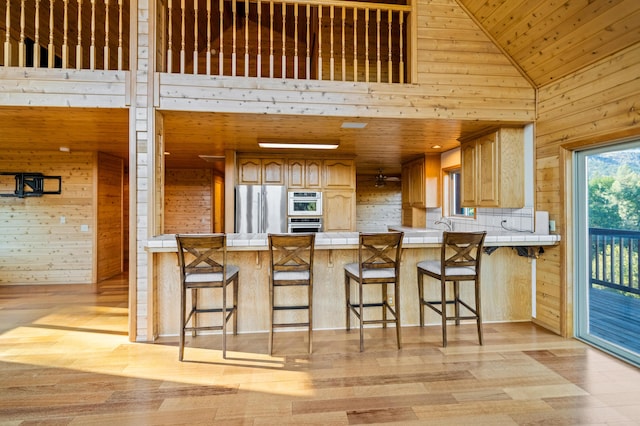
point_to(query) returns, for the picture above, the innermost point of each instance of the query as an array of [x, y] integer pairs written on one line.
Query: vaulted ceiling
[[549, 39]]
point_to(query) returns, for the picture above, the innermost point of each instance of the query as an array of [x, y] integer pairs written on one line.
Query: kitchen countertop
[[413, 238]]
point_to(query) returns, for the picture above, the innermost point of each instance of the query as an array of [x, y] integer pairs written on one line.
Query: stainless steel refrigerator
[[261, 208]]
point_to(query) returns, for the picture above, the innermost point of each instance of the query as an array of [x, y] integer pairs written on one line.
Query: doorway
[[607, 242]]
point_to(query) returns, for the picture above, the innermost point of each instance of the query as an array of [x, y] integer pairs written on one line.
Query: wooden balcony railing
[[80, 34], [299, 39], [614, 259]]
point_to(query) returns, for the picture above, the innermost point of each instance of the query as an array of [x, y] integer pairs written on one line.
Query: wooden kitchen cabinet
[[273, 171], [421, 182], [339, 209], [249, 171], [304, 174], [493, 169], [339, 174], [261, 171]]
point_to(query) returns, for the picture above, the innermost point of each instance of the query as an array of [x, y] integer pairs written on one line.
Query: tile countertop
[[349, 240]]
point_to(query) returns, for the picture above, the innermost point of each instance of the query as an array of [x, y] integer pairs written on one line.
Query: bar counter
[[506, 279]]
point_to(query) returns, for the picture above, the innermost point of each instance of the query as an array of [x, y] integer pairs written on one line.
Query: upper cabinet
[[261, 171], [273, 171], [250, 171], [304, 173], [421, 182], [493, 169], [339, 174]]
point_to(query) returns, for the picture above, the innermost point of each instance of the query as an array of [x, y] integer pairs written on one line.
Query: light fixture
[[65, 149], [436, 147], [299, 145], [211, 158], [353, 125]]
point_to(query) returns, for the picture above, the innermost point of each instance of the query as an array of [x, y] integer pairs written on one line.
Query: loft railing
[[300, 39], [614, 259], [80, 34]]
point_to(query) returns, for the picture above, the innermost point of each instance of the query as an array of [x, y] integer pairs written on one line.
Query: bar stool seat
[[378, 263], [460, 257], [203, 265]]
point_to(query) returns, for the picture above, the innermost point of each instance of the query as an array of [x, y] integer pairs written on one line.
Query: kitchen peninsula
[[506, 278]]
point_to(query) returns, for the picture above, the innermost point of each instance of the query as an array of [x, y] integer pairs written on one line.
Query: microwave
[[305, 203]]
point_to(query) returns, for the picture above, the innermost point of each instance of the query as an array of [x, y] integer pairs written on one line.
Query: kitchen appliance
[[261, 208], [305, 203], [304, 224]]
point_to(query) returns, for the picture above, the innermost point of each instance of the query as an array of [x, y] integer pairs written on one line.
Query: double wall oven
[[304, 211]]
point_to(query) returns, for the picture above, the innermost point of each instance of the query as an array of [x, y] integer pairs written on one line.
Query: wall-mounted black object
[[33, 184]]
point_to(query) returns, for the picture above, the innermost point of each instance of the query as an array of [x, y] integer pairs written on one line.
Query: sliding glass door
[[607, 243]]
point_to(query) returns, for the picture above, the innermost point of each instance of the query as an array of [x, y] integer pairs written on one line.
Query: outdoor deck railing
[[301, 39], [614, 259], [80, 34]]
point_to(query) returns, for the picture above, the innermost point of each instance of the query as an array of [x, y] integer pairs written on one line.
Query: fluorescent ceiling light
[[299, 145], [211, 158], [353, 125]]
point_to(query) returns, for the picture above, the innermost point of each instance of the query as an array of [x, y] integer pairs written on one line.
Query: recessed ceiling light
[[167, 153], [353, 125], [299, 145], [436, 147], [65, 149]]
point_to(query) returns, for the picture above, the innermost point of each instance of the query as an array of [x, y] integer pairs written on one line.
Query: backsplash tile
[[489, 219]]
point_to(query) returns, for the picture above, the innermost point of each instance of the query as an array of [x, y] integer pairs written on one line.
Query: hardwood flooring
[[65, 359]]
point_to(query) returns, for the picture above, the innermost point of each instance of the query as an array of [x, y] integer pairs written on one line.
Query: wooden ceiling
[[548, 39]]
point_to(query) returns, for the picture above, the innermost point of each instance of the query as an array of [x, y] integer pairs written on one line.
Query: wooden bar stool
[[291, 265], [460, 257], [203, 265], [378, 263]]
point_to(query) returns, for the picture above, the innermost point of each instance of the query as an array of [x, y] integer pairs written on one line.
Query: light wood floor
[[65, 359]]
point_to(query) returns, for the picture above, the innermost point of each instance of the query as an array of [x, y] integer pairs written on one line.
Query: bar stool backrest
[[380, 251], [461, 253], [291, 253], [202, 254]]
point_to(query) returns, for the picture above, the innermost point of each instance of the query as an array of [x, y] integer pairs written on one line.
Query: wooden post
[[106, 35], [92, 48], [208, 54], [342, 56], [355, 44], [7, 41], [271, 39], [378, 61], [389, 47], [259, 54], [331, 58], [195, 37], [51, 54], [170, 37], [183, 36], [21, 46], [234, 12], [246, 38], [295, 41], [283, 59], [221, 32]]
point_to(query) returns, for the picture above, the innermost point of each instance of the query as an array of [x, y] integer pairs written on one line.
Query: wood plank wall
[[188, 201], [460, 67], [376, 208], [110, 211], [596, 105], [35, 247]]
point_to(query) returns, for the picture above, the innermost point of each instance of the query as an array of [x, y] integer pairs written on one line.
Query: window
[[453, 195]]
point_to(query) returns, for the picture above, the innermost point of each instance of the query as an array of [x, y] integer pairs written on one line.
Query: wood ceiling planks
[[549, 40]]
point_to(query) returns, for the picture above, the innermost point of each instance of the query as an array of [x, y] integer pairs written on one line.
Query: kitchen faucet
[[446, 222]]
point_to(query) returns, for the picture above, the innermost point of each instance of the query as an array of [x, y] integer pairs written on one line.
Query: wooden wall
[[188, 201], [459, 67], [110, 223], [35, 246], [596, 105], [376, 208]]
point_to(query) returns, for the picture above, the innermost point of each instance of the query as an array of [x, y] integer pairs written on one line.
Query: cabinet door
[[406, 189], [273, 171], [249, 171], [296, 174], [468, 172], [339, 211], [339, 174], [416, 182], [313, 173], [488, 188]]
